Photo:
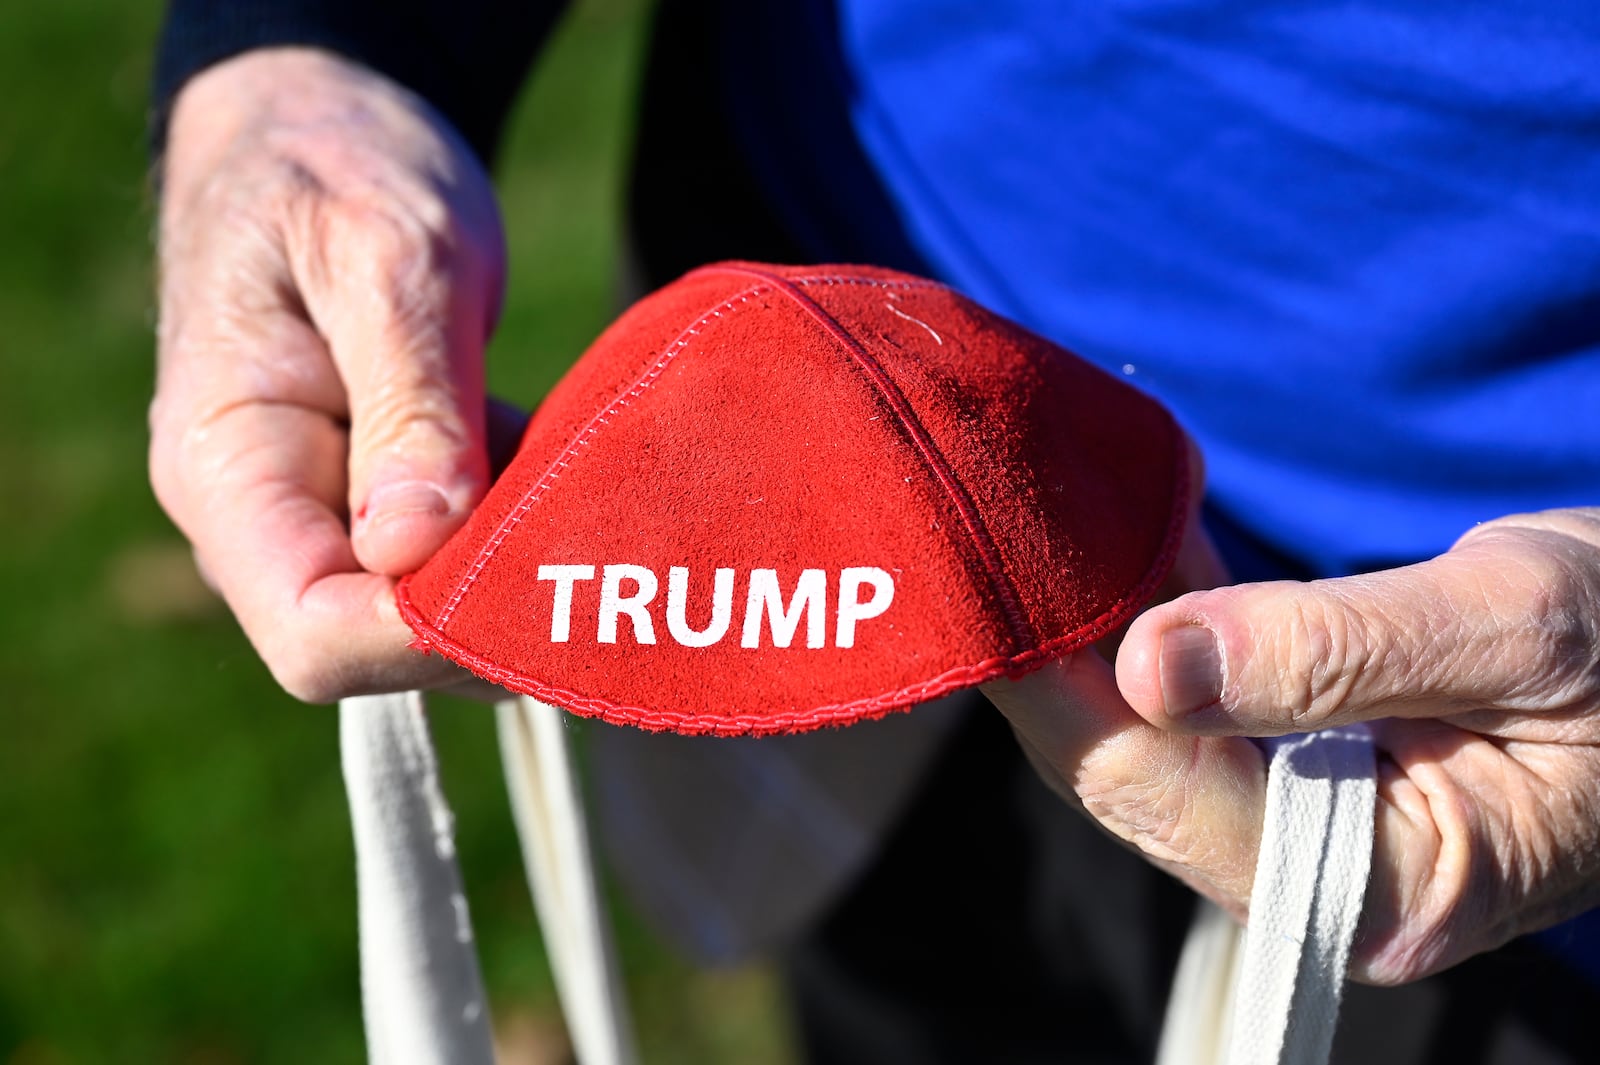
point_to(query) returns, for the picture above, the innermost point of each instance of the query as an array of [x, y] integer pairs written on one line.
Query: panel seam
[[1000, 584]]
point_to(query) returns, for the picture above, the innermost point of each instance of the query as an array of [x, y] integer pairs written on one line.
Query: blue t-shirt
[[1354, 246]]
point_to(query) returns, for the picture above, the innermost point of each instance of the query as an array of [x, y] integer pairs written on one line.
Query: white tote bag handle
[[548, 807], [1268, 994], [421, 991]]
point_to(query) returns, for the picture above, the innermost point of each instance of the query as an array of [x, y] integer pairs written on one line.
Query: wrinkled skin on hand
[[1479, 672], [331, 265]]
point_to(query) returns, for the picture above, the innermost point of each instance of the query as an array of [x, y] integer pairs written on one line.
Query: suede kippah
[[770, 499]]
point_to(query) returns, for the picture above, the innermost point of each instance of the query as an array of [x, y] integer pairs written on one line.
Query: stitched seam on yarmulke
[[754, 269], [1017, 622], [871, 282], [430, 638], [652, 373]]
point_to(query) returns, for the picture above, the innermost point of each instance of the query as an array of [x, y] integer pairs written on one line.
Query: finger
[[405, 298], [1502, 622], [330, 266], [1193, 805], [1478, 842], [273, 538]]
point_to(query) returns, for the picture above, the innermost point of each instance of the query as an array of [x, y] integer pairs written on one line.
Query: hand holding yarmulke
[[770, 499]]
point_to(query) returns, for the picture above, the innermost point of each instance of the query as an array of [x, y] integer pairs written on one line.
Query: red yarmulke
[[770, 499]]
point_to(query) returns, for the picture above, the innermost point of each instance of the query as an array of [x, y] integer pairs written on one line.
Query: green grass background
[[176, 878]]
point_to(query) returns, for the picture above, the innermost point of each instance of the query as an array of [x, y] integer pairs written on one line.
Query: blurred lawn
[[176, 881]]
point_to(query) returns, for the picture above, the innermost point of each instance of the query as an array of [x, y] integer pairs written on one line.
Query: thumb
[[1193, 805], [1496, 623], [406, 313]]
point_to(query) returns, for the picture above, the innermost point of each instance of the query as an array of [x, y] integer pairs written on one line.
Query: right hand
[[332, 264]]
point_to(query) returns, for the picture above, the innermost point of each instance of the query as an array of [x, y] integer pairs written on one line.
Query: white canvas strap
[[548, 807], [1316, 854], [1195, 1028], [423, 997], [421, 992], [1284, 972]]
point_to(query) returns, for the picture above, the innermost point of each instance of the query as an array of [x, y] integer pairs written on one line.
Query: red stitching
[[1016, 620], [748, 269], [532, 495], [429, 637]]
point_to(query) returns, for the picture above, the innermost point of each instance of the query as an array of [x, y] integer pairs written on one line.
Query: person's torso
[[1356, 247]]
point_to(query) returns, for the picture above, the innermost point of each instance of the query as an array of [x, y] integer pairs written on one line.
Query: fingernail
[[1191, 670], [404, 498]]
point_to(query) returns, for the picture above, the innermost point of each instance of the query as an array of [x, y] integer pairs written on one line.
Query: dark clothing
[[995, 929], [467, 58]]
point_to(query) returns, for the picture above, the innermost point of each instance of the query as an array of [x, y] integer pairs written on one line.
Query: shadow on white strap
[[548, 806], [1195, 1029], [1285, 972], [421, 991]]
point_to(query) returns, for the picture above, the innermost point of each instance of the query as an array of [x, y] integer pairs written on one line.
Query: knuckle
[[403, 240], [1565, 637], [401, 237], [306, 687], [304, 674], [174, 465], [399, 414], [369, 224], [161, 467], [409, 266], [1452, 906], [1545, 596], [165, 485]]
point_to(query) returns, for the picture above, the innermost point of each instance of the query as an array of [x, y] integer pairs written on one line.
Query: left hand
[[1479, 672]]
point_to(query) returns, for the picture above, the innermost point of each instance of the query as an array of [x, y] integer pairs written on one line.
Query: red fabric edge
[[875, 706]]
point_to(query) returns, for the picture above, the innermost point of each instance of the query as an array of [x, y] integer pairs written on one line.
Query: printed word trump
[[765, 609]]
